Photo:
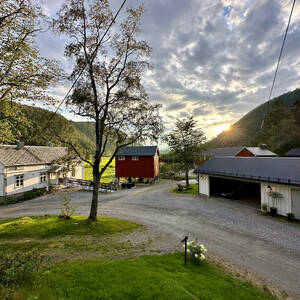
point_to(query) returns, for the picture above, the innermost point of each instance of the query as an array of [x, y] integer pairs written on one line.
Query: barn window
[[135, 158], [19, 180], [121, 158], [43, 177]]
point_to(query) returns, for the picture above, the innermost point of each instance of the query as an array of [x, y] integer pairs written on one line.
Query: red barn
[[137, 162]]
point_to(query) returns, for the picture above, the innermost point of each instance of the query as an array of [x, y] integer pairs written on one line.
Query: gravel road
[[232, 231]]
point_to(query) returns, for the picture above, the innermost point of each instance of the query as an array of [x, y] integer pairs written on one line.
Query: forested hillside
[[280, 130], [25, 123]]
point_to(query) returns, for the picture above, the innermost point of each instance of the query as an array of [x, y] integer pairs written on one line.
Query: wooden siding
[[283, 205], [144, 167], [245, 153]]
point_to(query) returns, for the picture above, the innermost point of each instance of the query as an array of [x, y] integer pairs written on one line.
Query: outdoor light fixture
[[269, 187]]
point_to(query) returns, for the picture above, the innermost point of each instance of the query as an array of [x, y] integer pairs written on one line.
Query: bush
[[17, 266], [196, 250], [25, 196], [67, 210]]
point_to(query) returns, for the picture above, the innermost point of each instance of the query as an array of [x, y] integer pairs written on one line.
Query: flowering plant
[[196, 250]]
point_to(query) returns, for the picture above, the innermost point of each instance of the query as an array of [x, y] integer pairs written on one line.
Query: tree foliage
[[22, 122], [280, 131], [24, 74], [109, 91], [186, 142]]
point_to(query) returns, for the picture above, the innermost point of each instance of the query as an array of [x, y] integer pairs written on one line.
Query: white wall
[[204, 185], [31, 178], [283, 205]]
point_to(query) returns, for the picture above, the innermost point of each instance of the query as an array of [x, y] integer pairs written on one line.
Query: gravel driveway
[[232, 231]]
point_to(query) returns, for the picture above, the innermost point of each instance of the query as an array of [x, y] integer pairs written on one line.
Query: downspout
[[5, 184], [47, 181]]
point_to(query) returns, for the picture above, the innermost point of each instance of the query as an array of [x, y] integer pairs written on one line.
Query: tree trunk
[[187, 177], [94, 205]]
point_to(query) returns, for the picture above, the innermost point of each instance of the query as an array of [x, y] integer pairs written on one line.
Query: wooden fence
[[87, 184]]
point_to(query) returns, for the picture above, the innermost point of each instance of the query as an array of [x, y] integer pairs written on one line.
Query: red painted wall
[[144, 167], [244, 152]]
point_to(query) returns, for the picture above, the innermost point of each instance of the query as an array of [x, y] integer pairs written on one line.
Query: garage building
[[251, 178]]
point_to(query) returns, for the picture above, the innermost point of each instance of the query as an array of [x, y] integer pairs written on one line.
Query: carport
[[242, 190], [250, 179]]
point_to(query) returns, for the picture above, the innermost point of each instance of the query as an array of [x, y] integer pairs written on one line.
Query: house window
[[43, 177], [121, 158], [19, 180], [135, 158]]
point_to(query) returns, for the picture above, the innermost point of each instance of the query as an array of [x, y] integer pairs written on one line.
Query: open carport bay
[[245, 191]]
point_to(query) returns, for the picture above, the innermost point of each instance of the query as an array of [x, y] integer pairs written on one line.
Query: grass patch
[[192, 190], [148, 277], [108, 175], [47, 227]]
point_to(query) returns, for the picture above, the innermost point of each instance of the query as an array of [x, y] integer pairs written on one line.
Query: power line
[[76, 80], [278, 62]]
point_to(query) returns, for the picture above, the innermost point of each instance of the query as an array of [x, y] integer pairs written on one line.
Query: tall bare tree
[[186, 142], [23, 72], [109, 91]]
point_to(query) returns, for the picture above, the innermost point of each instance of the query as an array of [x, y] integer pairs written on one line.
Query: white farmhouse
[[24, 168]]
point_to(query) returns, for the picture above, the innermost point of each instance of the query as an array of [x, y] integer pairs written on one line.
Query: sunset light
[[221, 128]]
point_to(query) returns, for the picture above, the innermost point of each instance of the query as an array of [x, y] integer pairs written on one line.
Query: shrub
[[23, 197], [291, 217], [264, 207], [196, 250], [67, 210], [16, 266]]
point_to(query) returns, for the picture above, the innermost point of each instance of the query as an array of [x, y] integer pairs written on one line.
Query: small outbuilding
[[251, 178], [137, 162], [238, 151], [295, 152]]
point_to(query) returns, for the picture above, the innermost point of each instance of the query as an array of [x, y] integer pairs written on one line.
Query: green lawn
[[47, 227], [108, 175], [148, 277], [94, 261], [192, 190]]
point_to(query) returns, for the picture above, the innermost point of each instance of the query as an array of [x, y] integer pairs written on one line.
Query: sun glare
[[222, 128]]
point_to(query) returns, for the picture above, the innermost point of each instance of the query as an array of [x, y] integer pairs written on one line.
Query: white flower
[[183, 246], [196, 255], [188, 250], [202, 257]]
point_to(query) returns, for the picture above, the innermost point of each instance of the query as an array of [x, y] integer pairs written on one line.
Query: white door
[[296, 203]]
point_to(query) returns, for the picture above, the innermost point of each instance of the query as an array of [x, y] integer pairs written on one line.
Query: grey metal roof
[[271, 169], [30, 155], [137, 151], [258, 151], [293, 152], [225, 151]]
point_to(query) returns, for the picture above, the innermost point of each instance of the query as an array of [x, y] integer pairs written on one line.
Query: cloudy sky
[[214, 59]]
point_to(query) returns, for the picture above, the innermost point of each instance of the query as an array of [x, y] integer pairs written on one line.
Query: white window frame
[[135, 158], [19, 181], [121, 157], [43, 177]]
